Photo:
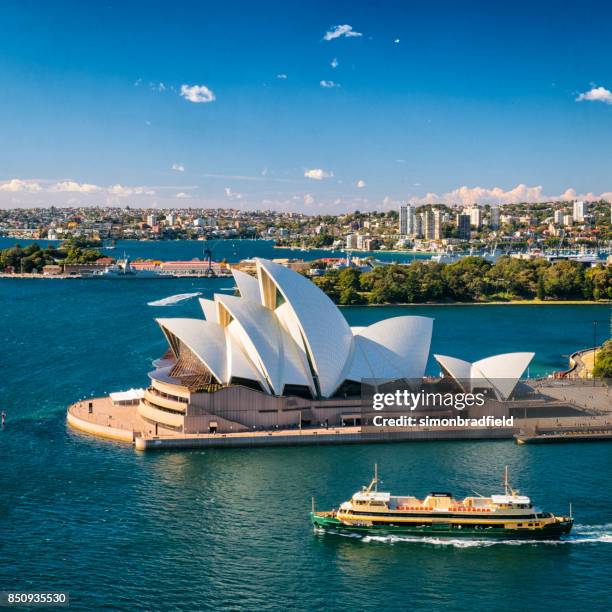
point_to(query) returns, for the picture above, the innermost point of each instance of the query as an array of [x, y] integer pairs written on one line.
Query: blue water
[[228, 529], [231, 250]]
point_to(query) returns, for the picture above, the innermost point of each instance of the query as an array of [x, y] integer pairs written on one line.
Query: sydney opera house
[[281, 355]]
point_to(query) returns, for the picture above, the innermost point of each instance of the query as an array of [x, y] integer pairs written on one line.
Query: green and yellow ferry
[[507, 516]]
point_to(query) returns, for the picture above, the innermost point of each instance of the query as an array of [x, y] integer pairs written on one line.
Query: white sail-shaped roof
[[317, 324], [205, 339], [239, 365], [458, 368], [284, 331], [209, 308], [504, 371], [247, 285], [391, 349], [270, 347], [406, 340], [500, 372]]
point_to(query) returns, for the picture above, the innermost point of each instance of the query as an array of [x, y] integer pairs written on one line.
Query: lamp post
[[594, 349]]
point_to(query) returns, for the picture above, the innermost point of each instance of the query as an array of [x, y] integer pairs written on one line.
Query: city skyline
[[309, 108]]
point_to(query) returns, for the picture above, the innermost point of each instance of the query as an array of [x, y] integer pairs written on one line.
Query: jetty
[[590, 434]]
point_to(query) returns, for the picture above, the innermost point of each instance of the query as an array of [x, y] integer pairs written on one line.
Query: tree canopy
[[471, 279]]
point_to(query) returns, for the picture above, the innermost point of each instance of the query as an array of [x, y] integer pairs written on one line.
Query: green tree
[[541, 289], [598, 282], [603, 361], [348, 278], [565, 280], [467, 279], [351, 297]]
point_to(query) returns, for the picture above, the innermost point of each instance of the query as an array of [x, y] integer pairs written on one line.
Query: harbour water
[[229, 528], [230, 250]]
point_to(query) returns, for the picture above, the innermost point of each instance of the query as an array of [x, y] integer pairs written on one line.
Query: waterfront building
[[351, 241], [407, 220], [437, 229], [463, 226], [195, 267], [418, 226], [432, 224], [278, 355], [151, 219], [558, 216], [475, 213], [579, 211], [494, 217], [568, 220]]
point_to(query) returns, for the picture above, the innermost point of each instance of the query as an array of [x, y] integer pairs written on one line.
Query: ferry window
[[519, 524]]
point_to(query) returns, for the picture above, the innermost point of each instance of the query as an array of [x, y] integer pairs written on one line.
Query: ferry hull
[[551, 531]]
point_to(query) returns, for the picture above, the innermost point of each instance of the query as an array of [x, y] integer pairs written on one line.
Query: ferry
[[439, 514]]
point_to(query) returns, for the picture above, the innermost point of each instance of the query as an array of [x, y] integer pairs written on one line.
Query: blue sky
[[448, 101]]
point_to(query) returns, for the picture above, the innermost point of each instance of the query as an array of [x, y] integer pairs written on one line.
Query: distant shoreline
[[356, 251]]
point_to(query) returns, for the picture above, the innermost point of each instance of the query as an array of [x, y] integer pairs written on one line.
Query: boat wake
[[173, 299], [581, 534]]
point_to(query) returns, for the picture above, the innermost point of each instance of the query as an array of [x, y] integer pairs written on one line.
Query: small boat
[[439, 514]]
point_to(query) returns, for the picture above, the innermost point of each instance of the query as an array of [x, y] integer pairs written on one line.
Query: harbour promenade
[[102, 418]]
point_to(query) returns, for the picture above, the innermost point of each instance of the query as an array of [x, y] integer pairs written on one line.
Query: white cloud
[[328, 84], [389, 202], [496, 195], [596, 94], [157, 86], [308, 199], [334, 63], [360, 184], [282, 76], [317, 174], [121, 191], [397, 41], [178, 167], [15, 185], [197, 93], [340, 31], [182, 195], [232, 195], [75, 187]]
